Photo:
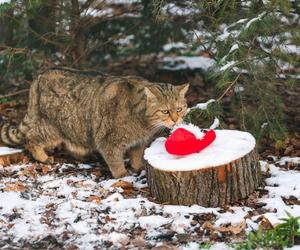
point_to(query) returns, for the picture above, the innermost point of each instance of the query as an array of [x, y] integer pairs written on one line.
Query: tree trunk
[[43, 24], [78, 38], [206, 186], [6, 31]]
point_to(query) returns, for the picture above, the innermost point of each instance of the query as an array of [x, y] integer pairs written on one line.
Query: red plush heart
[[183, 142]]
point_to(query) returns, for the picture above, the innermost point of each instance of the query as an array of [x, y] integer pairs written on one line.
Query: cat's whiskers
[[156, 127]]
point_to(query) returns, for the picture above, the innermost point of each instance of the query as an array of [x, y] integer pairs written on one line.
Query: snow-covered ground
[[73, 205]]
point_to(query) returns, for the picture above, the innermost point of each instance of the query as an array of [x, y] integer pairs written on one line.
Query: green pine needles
[[254, 44]]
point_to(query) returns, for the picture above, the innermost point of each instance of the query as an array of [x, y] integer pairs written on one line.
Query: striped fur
[[12, 135], [89, 113]]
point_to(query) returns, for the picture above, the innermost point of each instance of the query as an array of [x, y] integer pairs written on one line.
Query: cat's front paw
[[138, 167], [120, 173], [50, 160]]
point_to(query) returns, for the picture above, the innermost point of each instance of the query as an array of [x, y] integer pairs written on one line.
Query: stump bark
[[207, 186]]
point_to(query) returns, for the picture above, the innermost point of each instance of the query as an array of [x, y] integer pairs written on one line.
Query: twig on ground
[[14, 94]]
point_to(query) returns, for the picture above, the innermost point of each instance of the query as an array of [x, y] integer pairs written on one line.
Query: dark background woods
[[245, 54]]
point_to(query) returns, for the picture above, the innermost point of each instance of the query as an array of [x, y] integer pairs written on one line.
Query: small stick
[[229, 87], [15, 93]]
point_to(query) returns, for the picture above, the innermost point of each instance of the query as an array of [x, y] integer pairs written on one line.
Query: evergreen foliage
[[255, 45]]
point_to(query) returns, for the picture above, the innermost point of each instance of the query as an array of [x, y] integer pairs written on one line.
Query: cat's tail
[[12, 135]]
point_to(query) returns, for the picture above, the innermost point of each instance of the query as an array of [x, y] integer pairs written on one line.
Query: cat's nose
[[174, 118]]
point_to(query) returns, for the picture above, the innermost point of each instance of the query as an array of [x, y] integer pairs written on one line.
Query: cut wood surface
[[10, 155], [223, 173]]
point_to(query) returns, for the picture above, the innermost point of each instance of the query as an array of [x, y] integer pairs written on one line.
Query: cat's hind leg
[[114, 159], [136, 157]]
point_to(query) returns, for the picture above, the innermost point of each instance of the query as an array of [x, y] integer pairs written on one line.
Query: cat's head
[[166, 104]]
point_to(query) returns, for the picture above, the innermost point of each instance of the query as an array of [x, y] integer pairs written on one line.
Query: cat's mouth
[[172, 124]]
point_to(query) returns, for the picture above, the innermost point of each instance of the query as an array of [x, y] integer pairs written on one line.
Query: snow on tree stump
[[223, 173], [10, 155]]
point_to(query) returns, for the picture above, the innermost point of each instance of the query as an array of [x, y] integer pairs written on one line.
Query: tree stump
[[10, 155], [223, 173]]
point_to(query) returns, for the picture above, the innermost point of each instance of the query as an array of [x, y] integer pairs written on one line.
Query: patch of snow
[[153, 221], [227, 65], [238, 88], [8, 151], [259, 17], [98, 12], [124, 41], [234, 47], [285, 66], [188, 62], [239, 70], [169, 46], [84, 166], [194, 209], [117, 237], [251, 226], [215, 124], [233, 217], [228, 146], [174, 9], [264, 125], [284, 76], [286, 159], [280, 184], [228, 31], [80, 227], [203, 106], [290, 48], [246, 3]]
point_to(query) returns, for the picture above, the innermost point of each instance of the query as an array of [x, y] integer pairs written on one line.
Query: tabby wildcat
[[87, 113]]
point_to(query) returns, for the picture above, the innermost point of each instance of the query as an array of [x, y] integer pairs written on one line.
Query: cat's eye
[[179, 109], [165, 111]]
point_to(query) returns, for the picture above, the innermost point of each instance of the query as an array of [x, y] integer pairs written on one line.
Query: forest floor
[[79, 206]]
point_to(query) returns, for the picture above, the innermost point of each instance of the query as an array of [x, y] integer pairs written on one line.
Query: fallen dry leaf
[[265, 223], [25, 160], [45, 169], [122, 184], [18, 186], [235, 229], [95, 198], [29, 171]]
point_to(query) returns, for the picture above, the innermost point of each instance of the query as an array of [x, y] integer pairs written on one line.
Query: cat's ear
[[182, 89], [151, 92]]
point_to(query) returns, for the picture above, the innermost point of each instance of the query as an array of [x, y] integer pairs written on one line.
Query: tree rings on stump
[[223, 173]]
